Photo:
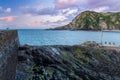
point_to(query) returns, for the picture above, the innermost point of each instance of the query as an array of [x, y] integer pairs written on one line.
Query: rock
[[82, 62], [91, 44], [9, 44], [24, 47]]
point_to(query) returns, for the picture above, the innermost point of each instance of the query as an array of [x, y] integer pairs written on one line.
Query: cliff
[[90, 20], [84, 62], [8, 54]]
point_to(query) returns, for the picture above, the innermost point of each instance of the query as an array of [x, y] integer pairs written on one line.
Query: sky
[[42, 14]]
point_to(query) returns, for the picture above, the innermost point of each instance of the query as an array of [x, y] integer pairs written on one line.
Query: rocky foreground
[[68, 63]]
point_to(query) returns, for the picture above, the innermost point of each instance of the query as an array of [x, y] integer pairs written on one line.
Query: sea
[[40, 37]]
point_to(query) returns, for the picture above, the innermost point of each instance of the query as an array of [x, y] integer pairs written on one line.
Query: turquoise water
[[65, 37]]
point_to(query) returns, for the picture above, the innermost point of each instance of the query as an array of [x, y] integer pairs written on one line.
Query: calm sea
[[65, 37]]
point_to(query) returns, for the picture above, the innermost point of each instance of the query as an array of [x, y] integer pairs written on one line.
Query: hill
[[90, 20]]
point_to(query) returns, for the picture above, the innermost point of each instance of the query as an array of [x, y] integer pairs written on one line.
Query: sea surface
[[66, 37]]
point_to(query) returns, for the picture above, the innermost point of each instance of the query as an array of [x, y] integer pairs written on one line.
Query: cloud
[[109, 5], [71, 12], [39, 21], [49, 14], [8, 10], [48, 18], [8, 18], [52, 19], [55, 13], [101, 9], [62, 4], [0, 8], [39, 10], [28, 15], [83, 5], [65, 3], [34, 23], [4, 11]]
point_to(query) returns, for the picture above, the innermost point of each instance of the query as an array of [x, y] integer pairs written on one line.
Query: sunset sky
[[20, 14]]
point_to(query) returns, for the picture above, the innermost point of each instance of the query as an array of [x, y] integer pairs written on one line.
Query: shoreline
[[83, 30], [111, 30]]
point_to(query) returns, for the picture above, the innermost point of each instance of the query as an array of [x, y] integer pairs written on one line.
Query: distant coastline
[[86, 30]]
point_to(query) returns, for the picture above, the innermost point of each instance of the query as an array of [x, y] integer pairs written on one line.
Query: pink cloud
[[66, 3], [28, 15], [94, 2], [35, 23], [8, 18]]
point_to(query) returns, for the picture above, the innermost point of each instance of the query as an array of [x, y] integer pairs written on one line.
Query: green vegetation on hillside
[[90, 20]]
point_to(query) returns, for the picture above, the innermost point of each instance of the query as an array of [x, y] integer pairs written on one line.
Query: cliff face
[[8, 54], [90, 20], [68, 63]]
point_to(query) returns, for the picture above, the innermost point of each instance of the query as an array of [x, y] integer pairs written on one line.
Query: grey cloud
[[43, 11]]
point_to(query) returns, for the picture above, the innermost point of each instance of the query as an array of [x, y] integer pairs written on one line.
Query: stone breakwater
[[9, 44], [68, 63]]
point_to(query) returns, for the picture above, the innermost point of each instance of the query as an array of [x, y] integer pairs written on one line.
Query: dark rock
[[22, 58], [86, 62], [24, 47]]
